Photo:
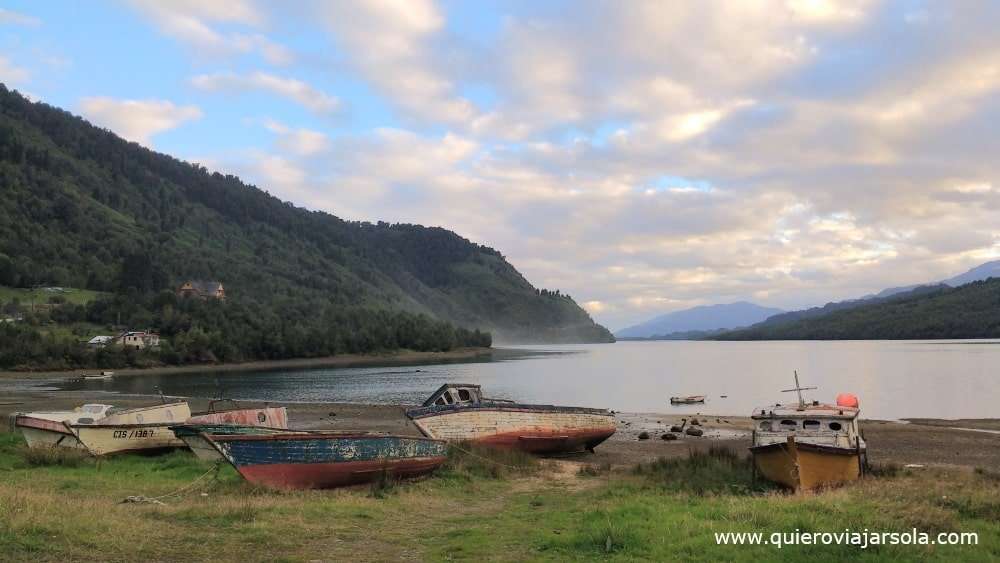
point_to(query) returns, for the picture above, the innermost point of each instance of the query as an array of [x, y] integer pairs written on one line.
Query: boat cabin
[[815, 423], [455, 394]]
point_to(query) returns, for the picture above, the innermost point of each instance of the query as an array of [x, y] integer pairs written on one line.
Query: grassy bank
[[480, 507]]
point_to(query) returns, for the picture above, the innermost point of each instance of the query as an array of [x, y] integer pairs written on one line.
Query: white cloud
[[296, 90], [16, 18], [11, 74], [137, 120], [301, 141], [391, 42], [194, 22]]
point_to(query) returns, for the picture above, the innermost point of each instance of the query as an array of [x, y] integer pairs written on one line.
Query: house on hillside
[[203, 290], [100, 341], [138, 339]]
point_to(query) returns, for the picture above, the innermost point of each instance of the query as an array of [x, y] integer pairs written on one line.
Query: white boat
[[104, 375], [132, 430], [101, 430], [48, 428]]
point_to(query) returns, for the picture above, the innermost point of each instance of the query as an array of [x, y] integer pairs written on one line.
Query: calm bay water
[[893, 379]]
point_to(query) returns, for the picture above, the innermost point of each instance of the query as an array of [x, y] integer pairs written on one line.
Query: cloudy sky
[[641, 156]]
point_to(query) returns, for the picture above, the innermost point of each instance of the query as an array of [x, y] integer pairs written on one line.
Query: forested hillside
[[84, 208], [968, 311]]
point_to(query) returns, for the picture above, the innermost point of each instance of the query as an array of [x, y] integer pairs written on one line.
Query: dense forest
[[968, 311], [83, 208]]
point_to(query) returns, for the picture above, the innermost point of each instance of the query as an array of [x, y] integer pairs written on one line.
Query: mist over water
[[893, 379]]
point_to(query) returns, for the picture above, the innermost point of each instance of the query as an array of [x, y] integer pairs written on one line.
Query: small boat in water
[[326, 459], [459, 412], [102, 375], [807, 446], [689, 400]]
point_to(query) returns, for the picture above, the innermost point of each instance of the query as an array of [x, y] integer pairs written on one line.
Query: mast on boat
[[799, 389]]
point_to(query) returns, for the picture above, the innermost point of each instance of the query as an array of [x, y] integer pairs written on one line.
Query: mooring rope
[[158, 499], [467, 452]]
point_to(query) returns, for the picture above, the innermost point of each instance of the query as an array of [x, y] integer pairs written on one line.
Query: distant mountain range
[[704, 318], [980, 272], [928, 312], [721, 321]]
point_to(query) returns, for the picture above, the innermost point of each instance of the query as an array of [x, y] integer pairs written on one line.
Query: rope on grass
[[140, 499], [467, 452]]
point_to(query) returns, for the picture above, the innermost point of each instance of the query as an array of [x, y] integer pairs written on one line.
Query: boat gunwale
[[836, 450], [310, 435], [423, 412], [77, 425], [224, 411]]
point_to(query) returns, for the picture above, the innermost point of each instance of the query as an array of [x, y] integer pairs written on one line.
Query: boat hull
[[320, 460], [203, 449], [120, 438], [273, 417], [803, 466], [42, 433], [533, 429]]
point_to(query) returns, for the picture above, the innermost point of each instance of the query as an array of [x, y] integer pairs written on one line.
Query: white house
[[100, 341], [139, 339]]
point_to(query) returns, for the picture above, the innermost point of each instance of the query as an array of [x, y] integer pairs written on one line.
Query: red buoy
[[847, 400]]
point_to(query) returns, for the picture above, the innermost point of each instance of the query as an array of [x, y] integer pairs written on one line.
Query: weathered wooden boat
[[321, 459], [193, 436], [228, 421], [141, 429], [48, 428], [459, 412], [807, 446], [275, 417], [689, 400]]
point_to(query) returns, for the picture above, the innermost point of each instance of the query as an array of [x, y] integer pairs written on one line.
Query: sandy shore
[[402, 357], [920, 441]]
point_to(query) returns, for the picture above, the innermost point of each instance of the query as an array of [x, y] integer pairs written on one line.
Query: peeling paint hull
[[321, 460], [537, 429]]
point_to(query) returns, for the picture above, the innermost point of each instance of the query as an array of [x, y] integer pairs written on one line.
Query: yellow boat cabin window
[[810, 424], [788, 424], [835, 426]]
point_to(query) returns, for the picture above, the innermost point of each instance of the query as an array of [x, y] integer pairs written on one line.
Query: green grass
[[51, 511], [42, 296]]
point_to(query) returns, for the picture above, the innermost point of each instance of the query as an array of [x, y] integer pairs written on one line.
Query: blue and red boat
[[322, 460]]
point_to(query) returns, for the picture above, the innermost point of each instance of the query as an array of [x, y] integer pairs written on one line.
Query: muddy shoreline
[[927, 442]]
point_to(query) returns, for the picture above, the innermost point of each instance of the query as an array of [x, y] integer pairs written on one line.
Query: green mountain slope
[[968, 311], [84, 208]]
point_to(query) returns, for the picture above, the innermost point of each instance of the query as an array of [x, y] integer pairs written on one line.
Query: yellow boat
[[807, 446]]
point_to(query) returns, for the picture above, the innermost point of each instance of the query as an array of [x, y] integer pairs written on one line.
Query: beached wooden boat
[[142, 429], [275, 417], [321, 460], [229, 421], [807, 446], [193, 436], [689, 400], [459, 412], [48, 428]]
